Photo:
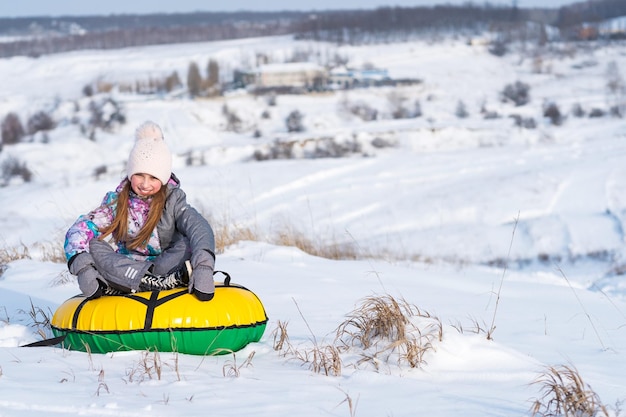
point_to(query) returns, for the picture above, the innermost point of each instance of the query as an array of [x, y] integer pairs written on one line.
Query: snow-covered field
[[442, 211]]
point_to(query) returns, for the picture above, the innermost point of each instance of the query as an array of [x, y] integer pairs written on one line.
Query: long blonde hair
[[119, 227]]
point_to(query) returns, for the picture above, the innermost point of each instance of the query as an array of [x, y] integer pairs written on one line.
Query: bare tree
[[38, 122], [194, 80], [616, 89], [213, 74], [12, 129], [172, 82]]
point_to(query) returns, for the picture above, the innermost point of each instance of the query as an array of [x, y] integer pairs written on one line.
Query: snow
[[486, 226]]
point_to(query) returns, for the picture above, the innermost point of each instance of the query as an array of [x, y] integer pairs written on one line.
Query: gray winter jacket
[[181, 234]]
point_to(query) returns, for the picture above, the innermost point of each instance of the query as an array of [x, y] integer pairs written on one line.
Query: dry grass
[[151, 366], [40, 319], [332, 250], [351, 404], [324, 359], [232, 369], [384, 326], [228, 233], [53, 252], [383, 329], [281, 338], [50, 252], [564, 394], [377, 318], [12, 254], [476, 327]]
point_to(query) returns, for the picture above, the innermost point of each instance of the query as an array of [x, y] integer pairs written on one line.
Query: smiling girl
[[142, 234]]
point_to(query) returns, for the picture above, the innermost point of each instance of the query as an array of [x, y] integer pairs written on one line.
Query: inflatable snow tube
[[164, 321]]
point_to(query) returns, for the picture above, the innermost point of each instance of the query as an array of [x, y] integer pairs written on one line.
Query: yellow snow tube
[[165, 321]]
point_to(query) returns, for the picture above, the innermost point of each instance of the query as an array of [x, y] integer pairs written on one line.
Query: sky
[[77, 7], [434, 207]]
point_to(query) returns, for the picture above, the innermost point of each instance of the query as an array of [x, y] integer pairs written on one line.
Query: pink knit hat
[[150, 155]]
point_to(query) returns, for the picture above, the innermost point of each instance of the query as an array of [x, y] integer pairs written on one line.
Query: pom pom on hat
[[150, 155]]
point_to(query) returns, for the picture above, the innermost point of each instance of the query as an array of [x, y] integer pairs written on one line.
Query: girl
[[151, 228]]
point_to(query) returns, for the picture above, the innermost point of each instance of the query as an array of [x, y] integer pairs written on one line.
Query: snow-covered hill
[[476, 220]]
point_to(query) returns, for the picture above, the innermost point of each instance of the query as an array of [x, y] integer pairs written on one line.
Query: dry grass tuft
[[564, 394], [377, 318], [46, 252], [227, 234], [351, 404], [324, 359], [382, 328], [149, 367], [281, 338], [232, 369], [333, 250], [12, 254], [53, 252], [40, 319], [385, 325]]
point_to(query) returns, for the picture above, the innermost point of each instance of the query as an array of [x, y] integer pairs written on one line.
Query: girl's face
[[145, 185]]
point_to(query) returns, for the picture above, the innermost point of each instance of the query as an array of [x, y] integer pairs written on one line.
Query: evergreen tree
[[194, 80]]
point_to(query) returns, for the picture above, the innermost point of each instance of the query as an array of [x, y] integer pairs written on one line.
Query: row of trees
[[100, 112], [590, 12], [124, 38], [13, 130], [51, 35]]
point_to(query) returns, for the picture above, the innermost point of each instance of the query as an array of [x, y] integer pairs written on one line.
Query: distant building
[[300, 77], [296, 75], [343, 77], [613, 28]]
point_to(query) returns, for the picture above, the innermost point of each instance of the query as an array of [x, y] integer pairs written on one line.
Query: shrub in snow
[[40, 121], [294, 122], [417, 109], [363, 111], [498, 48], [399, 108], [88, 90], [552, 112], [99, 171], [11, 167], [577, 110], [518, 93], [617, 111], [461, 110], [524, 122], [12, 129], [99, 112], [322, 147], [596, 112], [270, 99], [106, 114], [233, 121], [490, 115], [381, 143], [614, 80]]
